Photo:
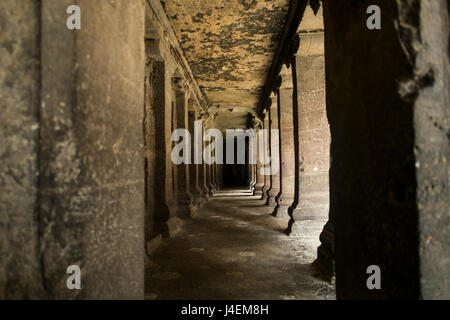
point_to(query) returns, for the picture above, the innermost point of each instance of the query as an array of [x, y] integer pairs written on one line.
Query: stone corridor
[[235, 249], [224, 149]]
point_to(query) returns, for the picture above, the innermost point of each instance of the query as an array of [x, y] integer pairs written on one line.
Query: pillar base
[[205, 195], [168, 228], [281, 211], [284, 202], [258, 189], [153, 244], [264, 192], [202, 198], [264, 196], [325, 253], [197, 200], [314, 213], [186, 211], [272, 198]]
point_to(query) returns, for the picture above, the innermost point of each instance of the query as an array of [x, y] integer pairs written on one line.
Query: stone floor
[[234, 249]]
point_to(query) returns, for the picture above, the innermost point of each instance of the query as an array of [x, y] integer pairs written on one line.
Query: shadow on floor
[[234, 249]]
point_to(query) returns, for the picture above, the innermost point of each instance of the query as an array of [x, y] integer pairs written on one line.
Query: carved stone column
[[149, 142], [274, 191], [313, 136], [200, 171], [206, 168], [163, 214], [286, 197], [193, 174], [217, 168], [251, 176], [183, 196], [266, 152], [259, 174], [210, 179]]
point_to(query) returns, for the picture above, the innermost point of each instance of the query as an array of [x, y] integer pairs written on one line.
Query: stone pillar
[[266, 152], [183, 196], [212, 184], [207, 181], [201, 165], [72, 183], [390, 155], [286, 122], [217, 176], [149, 142], [259, 174], [211, 167], [313, 147], [196, 195], [163, 214], [252, 165], [205, 169], [274, 191]]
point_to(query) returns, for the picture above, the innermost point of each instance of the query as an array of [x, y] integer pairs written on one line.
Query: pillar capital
[[286, 77], [257, 123], [273, 99], [178, 84], [311, 43]]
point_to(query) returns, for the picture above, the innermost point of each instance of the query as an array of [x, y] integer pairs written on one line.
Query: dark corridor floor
[[234, 249]]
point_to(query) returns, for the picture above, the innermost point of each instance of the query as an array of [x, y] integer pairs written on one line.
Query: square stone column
[[313, 134], [164, 221], [274, 191], [210, 179], [183, 196], [266, 152], [201, 165], [390, 154], [259, 174], [196, 196], [217, 169], [208, 175], [211, 173], [287, 150], [199, 171]]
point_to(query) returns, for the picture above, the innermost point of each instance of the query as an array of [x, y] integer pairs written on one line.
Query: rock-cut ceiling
[[229, 44]]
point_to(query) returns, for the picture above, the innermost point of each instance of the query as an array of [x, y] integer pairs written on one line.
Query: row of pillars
[[299, 190], [173, 192]]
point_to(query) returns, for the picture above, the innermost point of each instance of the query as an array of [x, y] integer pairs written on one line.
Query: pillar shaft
[[287, 150], [196, 195], [259, 174], [157, 109], [313, 148], [274, 146], [183, 196], [266, 152]]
